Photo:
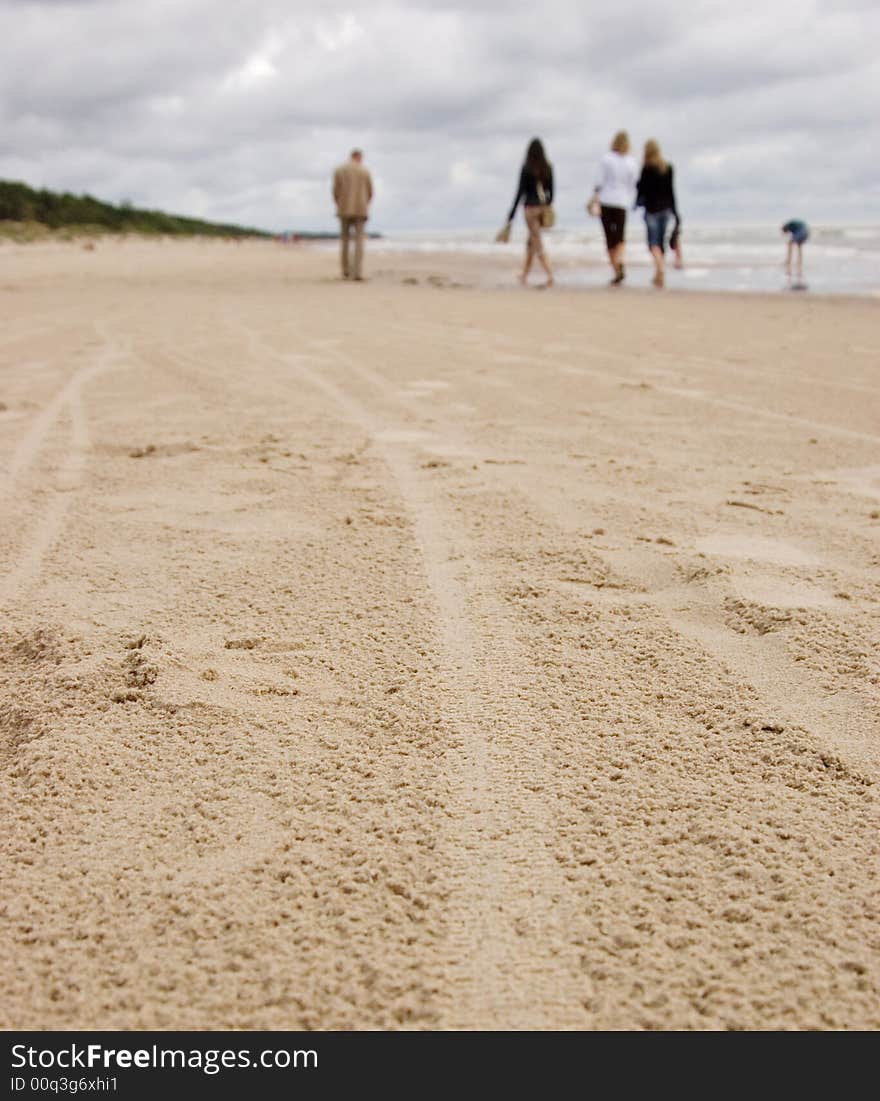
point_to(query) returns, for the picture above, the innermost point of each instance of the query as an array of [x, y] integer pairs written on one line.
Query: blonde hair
[[621, 142], [653, 156]]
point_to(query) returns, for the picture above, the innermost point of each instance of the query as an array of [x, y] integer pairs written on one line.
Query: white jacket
[[617, 179]]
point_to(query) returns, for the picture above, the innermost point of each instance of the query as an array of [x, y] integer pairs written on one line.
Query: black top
[[528, 190], [655, 191]]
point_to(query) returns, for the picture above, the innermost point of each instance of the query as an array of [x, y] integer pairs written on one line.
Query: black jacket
[[655, 190], [528, 190]]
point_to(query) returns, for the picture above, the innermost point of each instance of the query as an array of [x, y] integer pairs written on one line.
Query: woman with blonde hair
[[657, 195], [615, 191], [536, 191]]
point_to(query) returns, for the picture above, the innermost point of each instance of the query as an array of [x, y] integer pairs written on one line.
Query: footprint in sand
[[774, 593], [863, 480], [428, 385], [756, 549]]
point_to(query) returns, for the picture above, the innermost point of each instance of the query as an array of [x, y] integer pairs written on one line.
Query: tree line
[[59, 210]]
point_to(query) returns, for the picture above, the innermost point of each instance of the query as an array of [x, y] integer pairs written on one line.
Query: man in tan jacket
[[352, 190]]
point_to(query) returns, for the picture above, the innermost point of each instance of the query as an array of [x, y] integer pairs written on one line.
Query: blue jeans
[[657, 225]]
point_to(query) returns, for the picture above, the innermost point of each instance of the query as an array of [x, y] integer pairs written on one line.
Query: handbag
[[594, 207], [548, 214]]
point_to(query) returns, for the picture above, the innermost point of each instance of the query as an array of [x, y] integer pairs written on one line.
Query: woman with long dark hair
[[536, 191]]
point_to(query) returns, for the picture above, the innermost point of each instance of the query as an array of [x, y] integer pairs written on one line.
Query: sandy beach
[[427, 655]]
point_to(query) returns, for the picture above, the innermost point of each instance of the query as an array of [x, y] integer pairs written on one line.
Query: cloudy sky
[[237, 110]]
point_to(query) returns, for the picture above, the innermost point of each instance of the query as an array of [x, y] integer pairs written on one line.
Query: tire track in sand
[[702, 625], [34, 438], [508, 963], [644, 848], [70, 472]]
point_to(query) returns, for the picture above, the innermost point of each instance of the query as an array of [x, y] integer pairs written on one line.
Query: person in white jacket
[[616, 192]]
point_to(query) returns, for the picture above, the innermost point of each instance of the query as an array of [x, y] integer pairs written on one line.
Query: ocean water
[[837, 259]]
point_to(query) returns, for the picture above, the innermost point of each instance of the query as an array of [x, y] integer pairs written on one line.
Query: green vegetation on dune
[[26, 214]]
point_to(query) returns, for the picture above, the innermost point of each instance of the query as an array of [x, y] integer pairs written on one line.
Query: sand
[[422, 654]]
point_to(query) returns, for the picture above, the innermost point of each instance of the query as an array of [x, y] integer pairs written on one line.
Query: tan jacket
[[352, 190]]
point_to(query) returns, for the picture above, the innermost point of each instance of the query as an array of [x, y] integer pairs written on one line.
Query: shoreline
[[449, 268]]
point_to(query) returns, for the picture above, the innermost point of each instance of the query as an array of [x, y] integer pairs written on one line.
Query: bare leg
[[530, 256], [800, 262], [788, 251], [533, 243], [659, 265], [545, 264], [615, 255]]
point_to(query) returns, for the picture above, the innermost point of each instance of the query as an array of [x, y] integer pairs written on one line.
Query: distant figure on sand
[[656, 194], [798, 233], [616, 190], [536, 191], [352, 192]]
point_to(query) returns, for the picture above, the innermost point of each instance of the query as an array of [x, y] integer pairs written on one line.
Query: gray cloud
[[239, 111]]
